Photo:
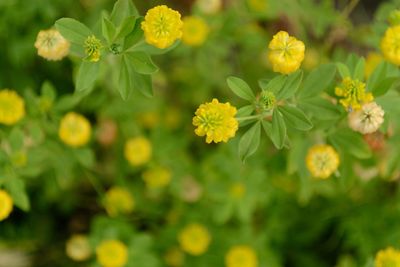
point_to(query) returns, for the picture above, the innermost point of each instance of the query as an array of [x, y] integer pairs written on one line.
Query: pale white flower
[[209, 6], [368, 119]]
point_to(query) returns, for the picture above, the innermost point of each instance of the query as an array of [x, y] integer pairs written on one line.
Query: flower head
[[388, 257], [267, 100], [118, 200], [51, 45], [285, 53], [322, 161], [194, 239], [241, 256], [368, 119], [157, 177], [112, 253], [353, 94], [138, 151], [12, 107], [78, 248], [216, 121], [174, 257], [6, 205], [74, 130], [209, 6], [195, 31], [93, 48], [162, 26], [390, 45]]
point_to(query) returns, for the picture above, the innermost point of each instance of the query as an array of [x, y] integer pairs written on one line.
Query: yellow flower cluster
[[322, 161], [12, 107], [390, 45], [74, 130], [388, 257], [112, 253], [118, 200], [93, 48], [285, 53], [241, 256], [6, 205], [51, 45], [195, 31], [353, 93], [78, 248], [162, 26], [138, 151], [157, 177], [194, 239], [216, 121]]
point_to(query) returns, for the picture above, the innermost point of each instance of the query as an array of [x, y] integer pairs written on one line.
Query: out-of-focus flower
[[191, 189], [162, 26], [216, 121], [157, 177], [237, 190], [6, 205], [285, 53], [390, 45], [257, 5], [138, 151], [241, 256], [353, 94], [394, 17], [12, 107], [118, 200], [51, 45], [371, 62], [14, 258], [149, 119], [74, 130], [107, 132], [368, 119], [174, 257], [195, 31], [78, 248], [194, 239], [376, 140], [209, 6], [388, 257], [93, 48], [322, 161], [112, 253]]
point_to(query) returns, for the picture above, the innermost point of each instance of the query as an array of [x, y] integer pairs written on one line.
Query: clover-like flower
[[368, 119], [353, 94], [194, 239], [195, 31], [6, 205], [322, 161], [387, 257], [12, 107], [390, 45], [51, 45], [241, 256], [112, 253], [74, 130]]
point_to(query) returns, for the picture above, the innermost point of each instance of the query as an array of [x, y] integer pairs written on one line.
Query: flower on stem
[[51, 45], [368, 119], [390, 45], [322, 161], [93, 48], [12, 107], [353, 94]]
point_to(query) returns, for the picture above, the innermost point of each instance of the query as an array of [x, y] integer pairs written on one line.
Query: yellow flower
[[162, 26], [353, 93], [93, 48], [12, 107], [216, 121], [209, 6], [138, 151], [112, 253], [285, 53], [78, 248], [371, 62], [195, 30], [237, 190], [6, 205], [257, 5], [157, 177], [51, 45], [322, 161], [241, 256], [174, 257], [74, 130], [390, 45], [388, 257], [118, 200], [194, 239]]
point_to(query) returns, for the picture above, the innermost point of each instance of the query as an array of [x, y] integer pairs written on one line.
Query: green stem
[[349, 8]]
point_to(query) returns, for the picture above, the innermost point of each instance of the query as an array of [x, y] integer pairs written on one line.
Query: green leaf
[[291, 85], [350, 142], [318, 80], [126, 27], [48, 90], [240, 88], [121, 10], [321, 108], [135, 36], [278, 129], [249, 142], [85, 156], [351, 62], [141, 62], [359, 70], [273, 85], [151, 50], [384, 86], [73, 30], [295, 118], [343, 70], [87, 75], [16, 139], [16, 187], [143, 83], [245, 111], [377, 76], [125, 86], [108, 29]]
